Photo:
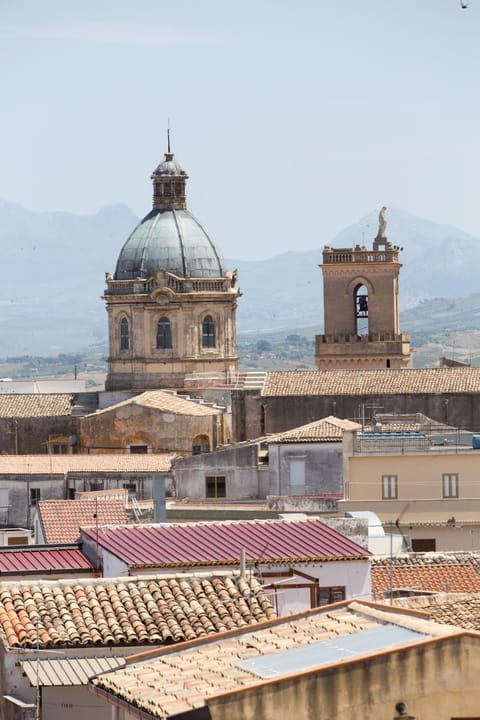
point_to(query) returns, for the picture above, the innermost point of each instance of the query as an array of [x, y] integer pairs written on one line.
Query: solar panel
[[322, 653]]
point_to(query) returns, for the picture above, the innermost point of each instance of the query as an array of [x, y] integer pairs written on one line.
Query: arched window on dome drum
[[208, 332], [164, 334], [124, 335]]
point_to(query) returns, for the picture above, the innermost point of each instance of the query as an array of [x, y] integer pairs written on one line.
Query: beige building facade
[[171, 303], [361, 307], [429, 492]]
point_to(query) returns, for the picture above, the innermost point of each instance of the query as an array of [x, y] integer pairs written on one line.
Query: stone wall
[[286, 412], [29, 436]]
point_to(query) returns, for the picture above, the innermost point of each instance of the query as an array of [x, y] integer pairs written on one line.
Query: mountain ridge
[[54, 264]]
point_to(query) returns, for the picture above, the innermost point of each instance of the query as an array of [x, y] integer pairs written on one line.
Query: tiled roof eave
[[307, 560]]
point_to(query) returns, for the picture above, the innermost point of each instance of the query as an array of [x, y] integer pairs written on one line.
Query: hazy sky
[[293, 119]]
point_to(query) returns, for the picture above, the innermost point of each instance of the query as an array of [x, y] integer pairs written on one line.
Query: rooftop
[[19, 405], [372, 382], [61, 520], [459, 609], [329, 429], [431, 572], [52, 464], [168, 682], [220, 543], [127, 611], [166, 402], [39, 559]]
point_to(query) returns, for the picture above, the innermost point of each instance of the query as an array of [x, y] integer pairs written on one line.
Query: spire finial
[[168, 136]]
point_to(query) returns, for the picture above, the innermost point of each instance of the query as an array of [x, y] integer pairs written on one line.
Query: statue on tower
[[382, 224]]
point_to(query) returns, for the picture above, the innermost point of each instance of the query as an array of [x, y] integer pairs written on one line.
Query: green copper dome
[[169, 237], [171, 240]]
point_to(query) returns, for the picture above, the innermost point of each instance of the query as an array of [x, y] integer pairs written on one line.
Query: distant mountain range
[[53, 268]]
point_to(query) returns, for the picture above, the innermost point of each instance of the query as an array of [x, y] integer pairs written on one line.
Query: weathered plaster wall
[[437, 681], [133, 424], [237, 463], [285, 413]]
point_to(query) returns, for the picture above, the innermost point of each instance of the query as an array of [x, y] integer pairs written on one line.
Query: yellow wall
[[419, 476]]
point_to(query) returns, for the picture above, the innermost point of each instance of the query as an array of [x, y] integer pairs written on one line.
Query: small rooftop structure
[[61, 520], [39, 560], [167, 402]]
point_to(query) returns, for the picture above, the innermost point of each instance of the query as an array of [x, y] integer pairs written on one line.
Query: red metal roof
[[45, 560], [219, 543]]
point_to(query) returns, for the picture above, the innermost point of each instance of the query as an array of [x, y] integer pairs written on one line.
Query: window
[[59, 448], [138, 449], [164, 334], [424, 545], [96, 485], [131, 487], [297, 476], [208, 332], [167, 189], [450, 485], [328, 595], [215, 486], [34, 495], [124, 335], [389, 487], [200, 444]]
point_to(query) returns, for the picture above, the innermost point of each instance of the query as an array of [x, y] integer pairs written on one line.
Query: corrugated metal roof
[[191, 544], [42, 560], [68, 671]]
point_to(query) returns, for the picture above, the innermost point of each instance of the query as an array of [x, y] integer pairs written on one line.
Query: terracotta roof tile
[[61, 519], [50, 464], [372, 382], [329, 429], [123, 611], [211, 667], [19, 405], [431, 572], [459, 609], [166, 402]]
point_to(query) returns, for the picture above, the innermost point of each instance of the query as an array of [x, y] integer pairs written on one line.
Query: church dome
[[169, 237], [171, 240]]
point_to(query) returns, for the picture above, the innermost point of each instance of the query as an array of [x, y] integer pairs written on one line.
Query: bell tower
[[361, 307]]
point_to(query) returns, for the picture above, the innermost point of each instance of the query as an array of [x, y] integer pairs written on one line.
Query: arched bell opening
[[361, 310]]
